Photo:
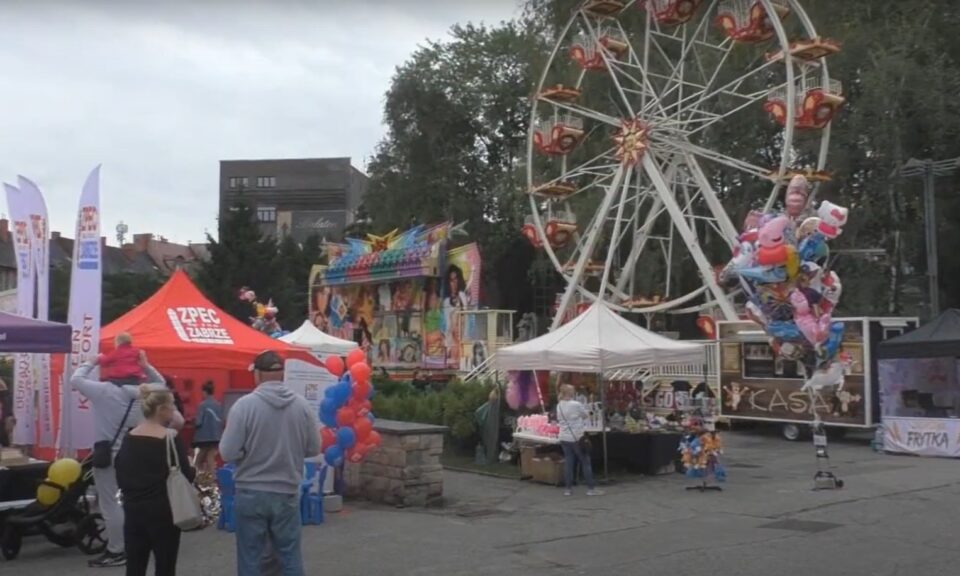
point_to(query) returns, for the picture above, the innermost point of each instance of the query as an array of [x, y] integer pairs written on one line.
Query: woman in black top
[[142, 472]]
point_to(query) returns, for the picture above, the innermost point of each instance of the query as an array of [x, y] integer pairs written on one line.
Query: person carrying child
[[122, 366]]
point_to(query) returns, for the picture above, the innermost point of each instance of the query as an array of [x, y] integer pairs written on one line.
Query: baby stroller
[[67, 523]]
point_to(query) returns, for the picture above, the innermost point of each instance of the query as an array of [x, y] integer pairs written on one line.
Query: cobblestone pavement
[[896, 515]]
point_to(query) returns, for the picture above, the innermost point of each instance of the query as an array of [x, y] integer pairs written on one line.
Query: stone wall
[[405, 470]]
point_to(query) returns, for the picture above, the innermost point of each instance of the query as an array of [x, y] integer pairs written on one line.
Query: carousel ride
[[635, 144]]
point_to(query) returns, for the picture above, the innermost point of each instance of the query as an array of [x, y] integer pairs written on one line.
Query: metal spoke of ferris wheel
[[662, 91]]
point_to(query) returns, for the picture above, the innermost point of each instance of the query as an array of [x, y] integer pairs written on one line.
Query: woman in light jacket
[[209, 428], [572, 416]]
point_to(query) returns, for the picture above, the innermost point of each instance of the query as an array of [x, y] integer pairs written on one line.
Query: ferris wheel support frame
[[689, 237], [573, 282]]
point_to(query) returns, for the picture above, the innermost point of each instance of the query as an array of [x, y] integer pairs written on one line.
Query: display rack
[[701, 447]]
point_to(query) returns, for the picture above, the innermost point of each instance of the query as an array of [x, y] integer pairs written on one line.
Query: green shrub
[[453, 407]]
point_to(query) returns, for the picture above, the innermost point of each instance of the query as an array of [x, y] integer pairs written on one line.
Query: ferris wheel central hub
[[632, 140]]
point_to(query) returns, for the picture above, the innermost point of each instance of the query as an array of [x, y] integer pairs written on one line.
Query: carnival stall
[[19, 475], [598, 342], [399, 296], [920, 389], [318, 342]]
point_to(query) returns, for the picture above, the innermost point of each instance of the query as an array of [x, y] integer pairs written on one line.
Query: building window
[[239, 182], [266, 214], [266, 181]]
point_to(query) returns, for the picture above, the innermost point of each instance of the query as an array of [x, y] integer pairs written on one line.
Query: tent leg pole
[[603, 424]]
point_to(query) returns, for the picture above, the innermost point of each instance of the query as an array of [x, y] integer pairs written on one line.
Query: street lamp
[[930, 170]]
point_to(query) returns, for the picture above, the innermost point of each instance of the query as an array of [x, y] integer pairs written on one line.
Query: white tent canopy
[[318, 341], [594, 342]]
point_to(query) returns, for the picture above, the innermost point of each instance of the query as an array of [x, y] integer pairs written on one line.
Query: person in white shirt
[[116, 409], [572, 417]]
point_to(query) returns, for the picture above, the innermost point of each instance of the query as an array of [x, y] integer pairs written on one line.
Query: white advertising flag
[[40, 239], [24, 432], [76, 425]]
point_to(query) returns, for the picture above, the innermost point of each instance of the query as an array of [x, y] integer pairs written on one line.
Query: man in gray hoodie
[[269, 434]]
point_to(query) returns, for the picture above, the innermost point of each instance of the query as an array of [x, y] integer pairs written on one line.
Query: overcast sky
[[160, 91]]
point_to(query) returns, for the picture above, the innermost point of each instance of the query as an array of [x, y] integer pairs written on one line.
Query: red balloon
[[367, 405], [346, 417], [334, 365], [361, 373], [373, 439], [327, 438], [361, 389], [356, 356], [357, 453], [363, 427]]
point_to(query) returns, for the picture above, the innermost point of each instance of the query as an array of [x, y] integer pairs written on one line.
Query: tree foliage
[[245, 257]]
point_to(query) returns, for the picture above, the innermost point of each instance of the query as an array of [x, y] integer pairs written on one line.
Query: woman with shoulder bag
[[143, 467], [572, 416]]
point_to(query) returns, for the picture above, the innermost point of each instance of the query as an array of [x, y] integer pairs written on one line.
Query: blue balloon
[[371, 417], [330, 392], [834, 339], [346, 438], [371, 393], [328, 420], [328, 406], [765, 274], [341, 394], [333, 455], [786, 331]]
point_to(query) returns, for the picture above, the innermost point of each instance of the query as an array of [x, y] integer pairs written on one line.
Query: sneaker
[[109, 560], [594, 492], [567, 493]]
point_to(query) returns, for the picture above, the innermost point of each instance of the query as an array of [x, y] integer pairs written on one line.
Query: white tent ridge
[[598, 341], [317, 341]]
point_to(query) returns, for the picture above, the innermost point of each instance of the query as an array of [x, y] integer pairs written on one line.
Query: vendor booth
[[318, 342], [601, 343], [920, 389], [20, 475], [192, 341]]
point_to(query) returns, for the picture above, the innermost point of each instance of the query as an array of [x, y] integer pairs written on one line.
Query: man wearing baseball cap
[[269, 433]]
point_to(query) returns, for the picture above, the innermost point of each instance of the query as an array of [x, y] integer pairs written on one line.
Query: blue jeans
[[267, 518], [572, 452]]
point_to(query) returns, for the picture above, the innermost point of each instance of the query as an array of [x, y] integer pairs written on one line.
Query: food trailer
[[755, 384]]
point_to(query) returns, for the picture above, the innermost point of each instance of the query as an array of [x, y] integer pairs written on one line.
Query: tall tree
[[457, 117], [241, 257]]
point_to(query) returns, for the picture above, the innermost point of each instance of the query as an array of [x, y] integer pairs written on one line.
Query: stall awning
[[940, 338], [597, 341], [317, 341], [20, 334]]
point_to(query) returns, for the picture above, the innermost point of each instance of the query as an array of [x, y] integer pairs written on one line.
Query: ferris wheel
[[630, 152]]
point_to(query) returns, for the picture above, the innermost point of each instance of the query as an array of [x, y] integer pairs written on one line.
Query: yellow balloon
[[64, 472], [793, 262], [47, 495]]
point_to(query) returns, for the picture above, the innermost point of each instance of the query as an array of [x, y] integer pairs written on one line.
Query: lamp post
[[930, 170]]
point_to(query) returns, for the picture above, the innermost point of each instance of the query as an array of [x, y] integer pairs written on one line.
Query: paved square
[[897, 515]]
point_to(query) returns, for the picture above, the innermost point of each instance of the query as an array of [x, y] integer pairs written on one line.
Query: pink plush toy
[[803, 316], [771, 250], [796, 198]]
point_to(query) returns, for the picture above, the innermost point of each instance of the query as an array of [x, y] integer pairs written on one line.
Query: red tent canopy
[[180, 328]]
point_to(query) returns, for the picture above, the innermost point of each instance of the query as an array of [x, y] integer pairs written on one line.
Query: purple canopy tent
[[26, 335]]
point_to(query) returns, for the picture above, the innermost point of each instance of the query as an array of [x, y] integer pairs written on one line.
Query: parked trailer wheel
[[792, 432]]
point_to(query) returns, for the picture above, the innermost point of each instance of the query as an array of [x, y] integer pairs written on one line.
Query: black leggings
[[148, 528]]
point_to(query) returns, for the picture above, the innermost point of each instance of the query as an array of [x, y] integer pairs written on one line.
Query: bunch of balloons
[[348, 432], [60, 476], [264, 317], [782, 263]]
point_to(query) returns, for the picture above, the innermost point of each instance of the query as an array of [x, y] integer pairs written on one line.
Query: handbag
[[102, 455], [184, 501]]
